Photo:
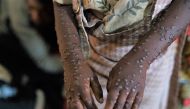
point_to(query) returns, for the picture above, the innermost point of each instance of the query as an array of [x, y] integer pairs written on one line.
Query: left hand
[[126, 84]]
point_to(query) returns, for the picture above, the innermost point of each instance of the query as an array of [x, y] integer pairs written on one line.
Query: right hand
[[78, 85]]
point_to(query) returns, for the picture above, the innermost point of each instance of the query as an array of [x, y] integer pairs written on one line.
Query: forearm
[[164, 32], [78, 77], [68, 40]]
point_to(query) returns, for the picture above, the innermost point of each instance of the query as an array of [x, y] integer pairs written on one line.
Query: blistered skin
[[78, 77], [127, 79]]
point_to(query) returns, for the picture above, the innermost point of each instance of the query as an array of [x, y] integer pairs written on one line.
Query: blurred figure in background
[[29, 50]]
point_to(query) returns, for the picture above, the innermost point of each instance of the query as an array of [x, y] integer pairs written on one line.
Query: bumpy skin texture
[[78, 77], [126, 84], [127, 79]]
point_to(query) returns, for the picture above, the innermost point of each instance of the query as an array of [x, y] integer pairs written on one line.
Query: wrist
[[136, 60]]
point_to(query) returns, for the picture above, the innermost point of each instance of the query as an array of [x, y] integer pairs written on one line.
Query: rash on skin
[[125, 89], [78, 77], [171, 24]]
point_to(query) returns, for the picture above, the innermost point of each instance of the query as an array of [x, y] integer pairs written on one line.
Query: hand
[[78, 87], [78, 77], [126, 84]]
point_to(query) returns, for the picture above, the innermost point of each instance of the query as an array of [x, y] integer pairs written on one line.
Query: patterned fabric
[[119, 13], [118, 25], [185, 75]]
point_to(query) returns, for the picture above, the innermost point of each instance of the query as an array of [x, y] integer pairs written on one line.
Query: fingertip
[[88, 100], [137, 102], [100, 97], [100, 100], [112, 98]]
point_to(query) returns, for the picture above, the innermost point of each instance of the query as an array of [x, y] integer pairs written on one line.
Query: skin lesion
[[155, 43], [139, 59]]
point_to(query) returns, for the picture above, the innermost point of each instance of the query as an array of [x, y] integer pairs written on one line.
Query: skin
[[79, 79], [126, 89], [127, 79]]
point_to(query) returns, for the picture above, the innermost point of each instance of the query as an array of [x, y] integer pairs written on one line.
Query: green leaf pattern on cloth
[[119, 13], [99, 5], [125, 13]]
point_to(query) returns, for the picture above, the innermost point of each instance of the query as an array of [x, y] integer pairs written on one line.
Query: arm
[[133, 66], [30, 39], [165, 31], [78, 76]]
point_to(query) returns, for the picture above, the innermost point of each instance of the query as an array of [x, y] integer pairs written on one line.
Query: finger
[[97, 89], [75, 104], [122, 99], [110, 83], [87, 99], [112, 98], [130, 99], [137, 102], [93, 103]]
